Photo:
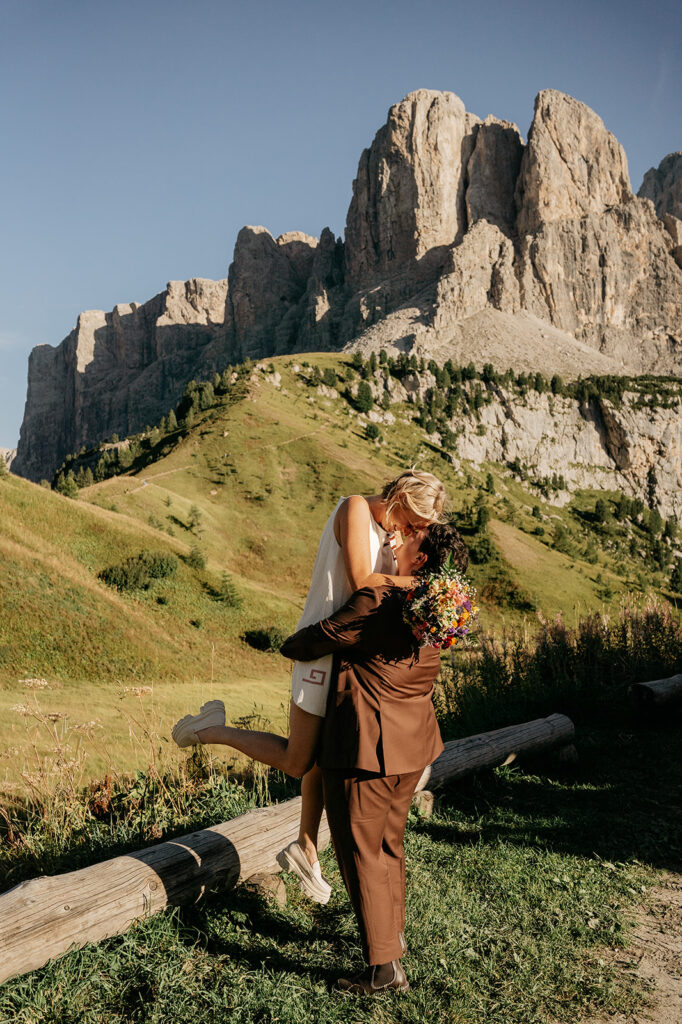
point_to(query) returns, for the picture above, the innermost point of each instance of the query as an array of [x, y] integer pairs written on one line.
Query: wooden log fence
[[45, 917], [657, 692]]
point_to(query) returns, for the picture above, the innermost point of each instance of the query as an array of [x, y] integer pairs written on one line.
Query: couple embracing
[[362, 726]]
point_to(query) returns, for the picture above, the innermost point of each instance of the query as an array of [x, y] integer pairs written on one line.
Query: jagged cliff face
[[117, 371], [461, 241], [593, 444], [663, 186]]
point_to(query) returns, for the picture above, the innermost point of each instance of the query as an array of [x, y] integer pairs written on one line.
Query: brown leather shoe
[[365, 985]]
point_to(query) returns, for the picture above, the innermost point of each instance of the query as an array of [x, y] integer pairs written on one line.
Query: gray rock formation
[[118, 371], [592, 258], [592, 444], [458, 235], [266, 283], [7, 456], [595, 446], [409, 195], [663, 186]]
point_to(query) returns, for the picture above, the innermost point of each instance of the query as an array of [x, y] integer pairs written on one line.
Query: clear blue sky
[[138, 137]]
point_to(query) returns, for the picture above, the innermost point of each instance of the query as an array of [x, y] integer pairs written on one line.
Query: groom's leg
[[294, 755], [394, 835], [357, 811]]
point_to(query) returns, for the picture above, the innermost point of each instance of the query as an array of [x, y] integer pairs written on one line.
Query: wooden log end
[[270, 886], [425, 803]]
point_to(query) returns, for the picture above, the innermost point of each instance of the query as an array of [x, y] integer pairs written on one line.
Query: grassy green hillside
[[243, 488]]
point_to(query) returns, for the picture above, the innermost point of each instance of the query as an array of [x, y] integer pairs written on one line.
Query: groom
[[379, 734]]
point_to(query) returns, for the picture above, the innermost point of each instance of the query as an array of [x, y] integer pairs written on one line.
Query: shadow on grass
[[270, 932], [622, 802]]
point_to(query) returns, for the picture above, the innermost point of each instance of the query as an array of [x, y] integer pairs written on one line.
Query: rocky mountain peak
[[572, 166], [663, 186], [408, 197]]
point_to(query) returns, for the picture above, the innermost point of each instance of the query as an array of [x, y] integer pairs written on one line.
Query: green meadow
[[239, 497]]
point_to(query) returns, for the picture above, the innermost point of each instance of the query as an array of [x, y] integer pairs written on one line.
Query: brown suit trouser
[[367, 815]]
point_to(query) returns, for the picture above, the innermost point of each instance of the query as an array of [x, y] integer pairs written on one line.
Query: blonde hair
[[420, 494]]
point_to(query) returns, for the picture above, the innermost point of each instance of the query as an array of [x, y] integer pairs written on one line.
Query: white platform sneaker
[[185, 731], [292, 858]]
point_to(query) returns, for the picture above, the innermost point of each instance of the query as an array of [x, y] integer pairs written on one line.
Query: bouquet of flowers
[[440, 610]]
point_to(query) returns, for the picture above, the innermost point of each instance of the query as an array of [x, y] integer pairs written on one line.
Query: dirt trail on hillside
[[655, 956]]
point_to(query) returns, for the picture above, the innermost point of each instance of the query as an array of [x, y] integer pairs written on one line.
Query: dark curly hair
[[440, 540]]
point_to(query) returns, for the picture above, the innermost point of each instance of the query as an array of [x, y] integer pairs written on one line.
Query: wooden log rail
[[45, 917], [657, 691]]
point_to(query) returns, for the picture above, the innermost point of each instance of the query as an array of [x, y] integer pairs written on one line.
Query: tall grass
[[61, 823], [583, 672]]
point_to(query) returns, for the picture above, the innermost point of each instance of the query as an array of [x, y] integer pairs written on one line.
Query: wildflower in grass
[[21, 709], [138, 691], [34, 684]]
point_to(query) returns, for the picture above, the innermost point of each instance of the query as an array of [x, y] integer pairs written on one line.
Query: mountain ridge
[[452, 220]]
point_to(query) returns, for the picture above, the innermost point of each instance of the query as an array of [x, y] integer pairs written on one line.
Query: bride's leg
[[312, 806], [294, 755]]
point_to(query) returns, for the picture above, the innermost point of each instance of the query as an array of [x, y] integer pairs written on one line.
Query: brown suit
[[379, 734]]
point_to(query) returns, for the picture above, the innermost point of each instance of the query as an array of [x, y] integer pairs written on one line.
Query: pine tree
[[67, 485], [228, 592], [483, 517], [364, 400], [172, 421], [194, 521]]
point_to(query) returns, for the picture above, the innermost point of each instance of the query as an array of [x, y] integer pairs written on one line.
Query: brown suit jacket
[[380, 716]]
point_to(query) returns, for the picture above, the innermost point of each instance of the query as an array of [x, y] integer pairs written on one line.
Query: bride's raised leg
[[294, 755]]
